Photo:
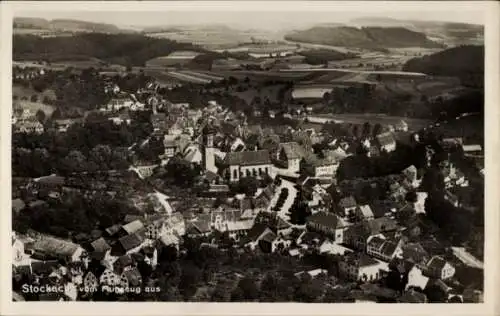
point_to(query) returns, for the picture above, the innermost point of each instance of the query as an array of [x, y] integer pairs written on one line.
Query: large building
[[247, 163]]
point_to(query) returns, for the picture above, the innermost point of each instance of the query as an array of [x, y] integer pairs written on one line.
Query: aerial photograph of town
[[247, 157]]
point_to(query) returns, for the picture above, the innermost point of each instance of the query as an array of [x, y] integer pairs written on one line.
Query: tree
[[248, 185], [75, 161], [34, 98], [245, 291], [435, 294], [366, 129]]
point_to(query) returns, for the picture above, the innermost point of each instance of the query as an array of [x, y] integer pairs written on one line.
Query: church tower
[[208, 149]]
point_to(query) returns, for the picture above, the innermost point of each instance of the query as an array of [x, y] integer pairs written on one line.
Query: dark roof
[[330, 220], [359, 259], [347, 202], [293, 150], [44, 267], [132, 217], [269, 237], [381, 224], [388, 248], [245, 158], [130, 241], [436, 262], [376, 242], [256, 231]]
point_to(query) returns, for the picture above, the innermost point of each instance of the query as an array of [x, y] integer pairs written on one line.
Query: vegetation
[[465, 62], [122, 49], [323, 56], [366, 37]]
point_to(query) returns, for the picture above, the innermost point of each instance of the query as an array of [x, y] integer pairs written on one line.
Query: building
[[401, 126], [29, 127], [130, 244], [386, 141], [208, 150], [360, 267], [52, 247], [382, 249], [347, 205], [319, 167], [439, 268], [291, 154], [247, 163], [118, 103], [328, 224], [364, 212], [170, 145]]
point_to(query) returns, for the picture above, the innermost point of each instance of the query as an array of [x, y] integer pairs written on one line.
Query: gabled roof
[[324, 219], [366, 211], [113, 229], [54, 246], [268, 236], [381, 224], [133, 276], [132, 227], [437, 263], [130, 241], [246, 158], [293, 150], [376, 242]]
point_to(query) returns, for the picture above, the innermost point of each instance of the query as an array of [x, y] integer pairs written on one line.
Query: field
[[384, 120]]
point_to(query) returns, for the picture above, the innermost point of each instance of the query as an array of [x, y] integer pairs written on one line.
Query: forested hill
[[366, 37], [123, 49], [465, 62], [65, 25]]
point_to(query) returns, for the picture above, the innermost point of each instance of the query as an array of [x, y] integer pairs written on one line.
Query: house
[[247, 163], [333, 248], [109, 278], [132, 227], [386, 141], [411, 174], [130, 243], [291, 154], [364, 212], [472, 149], [56, 248], [130, 278], [347, 205], [382, 249], [29, 127], [199, 227], [118, 103], [100, 249], [170, 145], [170, 239], [401, 126], [319, 167], [122, 118], [262, 236], [20, 257], [439, 268], [360, 267], [328, 224], [416, 278]]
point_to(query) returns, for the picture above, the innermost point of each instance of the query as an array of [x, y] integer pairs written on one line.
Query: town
[[251, 181]]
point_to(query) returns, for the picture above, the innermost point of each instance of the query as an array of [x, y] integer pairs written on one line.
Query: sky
[[273, 17]]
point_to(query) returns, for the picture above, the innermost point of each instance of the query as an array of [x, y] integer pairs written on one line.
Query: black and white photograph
[[267, 156]]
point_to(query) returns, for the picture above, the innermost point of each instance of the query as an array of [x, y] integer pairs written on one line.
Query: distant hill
[[449, 33], [465, 62], [365, 37], [122, 49], [65, 25]]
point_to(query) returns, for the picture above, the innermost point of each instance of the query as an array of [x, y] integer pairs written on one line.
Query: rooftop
[[247, 158]]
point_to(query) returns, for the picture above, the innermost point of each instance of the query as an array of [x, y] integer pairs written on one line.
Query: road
[[467, 258]]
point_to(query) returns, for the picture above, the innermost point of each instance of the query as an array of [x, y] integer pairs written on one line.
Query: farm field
[[258, 75], [413, 123]]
